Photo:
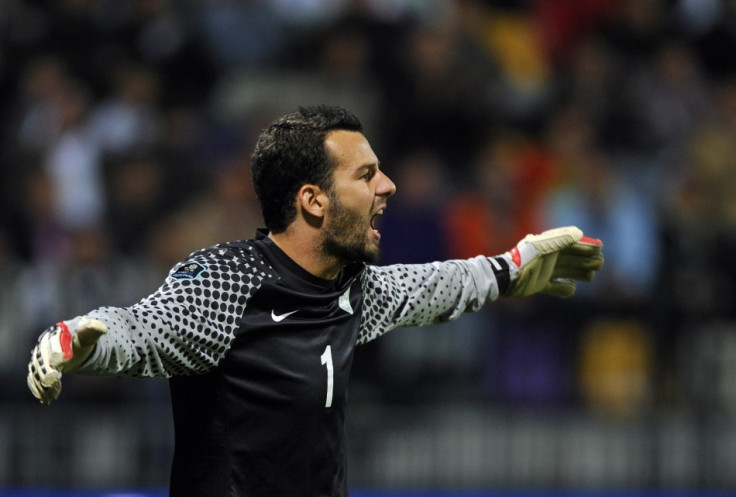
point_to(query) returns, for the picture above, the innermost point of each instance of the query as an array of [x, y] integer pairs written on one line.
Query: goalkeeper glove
[[61, 348], [551, 262]]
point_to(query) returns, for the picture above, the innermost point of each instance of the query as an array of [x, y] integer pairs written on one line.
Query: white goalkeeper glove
[[551, 262], [61, 348]]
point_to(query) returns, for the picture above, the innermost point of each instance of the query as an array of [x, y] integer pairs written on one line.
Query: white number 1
[[327, 360]]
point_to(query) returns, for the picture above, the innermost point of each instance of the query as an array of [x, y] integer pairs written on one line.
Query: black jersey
[[258, 352]]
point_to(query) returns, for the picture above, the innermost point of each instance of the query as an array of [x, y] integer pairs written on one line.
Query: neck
[[304, 248]]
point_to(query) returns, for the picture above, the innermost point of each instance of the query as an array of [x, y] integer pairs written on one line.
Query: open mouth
[[373, 223]]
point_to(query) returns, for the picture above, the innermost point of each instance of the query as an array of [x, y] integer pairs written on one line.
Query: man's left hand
[[551, 262]]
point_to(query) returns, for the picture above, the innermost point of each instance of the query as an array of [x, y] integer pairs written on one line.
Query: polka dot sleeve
[[421, 294], [186, 326]]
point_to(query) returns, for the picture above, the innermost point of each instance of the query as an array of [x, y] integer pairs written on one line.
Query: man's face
[[358, 195]]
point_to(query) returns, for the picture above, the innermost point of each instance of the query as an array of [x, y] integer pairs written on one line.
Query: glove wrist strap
[[505, 272]]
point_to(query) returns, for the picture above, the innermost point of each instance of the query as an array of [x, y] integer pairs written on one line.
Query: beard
[[345, 237]]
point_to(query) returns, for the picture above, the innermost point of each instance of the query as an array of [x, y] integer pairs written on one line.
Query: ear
[[312, 200]]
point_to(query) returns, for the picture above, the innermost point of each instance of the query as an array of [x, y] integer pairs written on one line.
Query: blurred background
[[125, 134]]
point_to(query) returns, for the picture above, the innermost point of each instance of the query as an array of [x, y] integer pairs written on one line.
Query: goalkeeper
[[257, 336]]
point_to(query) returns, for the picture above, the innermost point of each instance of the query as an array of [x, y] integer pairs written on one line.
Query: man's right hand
[[61, 348]]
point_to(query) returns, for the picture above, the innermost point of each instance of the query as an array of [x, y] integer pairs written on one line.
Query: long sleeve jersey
[[258, 353]]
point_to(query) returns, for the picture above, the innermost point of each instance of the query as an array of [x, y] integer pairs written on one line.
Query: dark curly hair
[[291, 153]]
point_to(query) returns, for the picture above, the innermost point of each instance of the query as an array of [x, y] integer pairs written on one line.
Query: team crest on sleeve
[[188, 271]]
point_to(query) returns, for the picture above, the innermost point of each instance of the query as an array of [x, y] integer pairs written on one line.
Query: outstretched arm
[[185, 327], [422, 294]]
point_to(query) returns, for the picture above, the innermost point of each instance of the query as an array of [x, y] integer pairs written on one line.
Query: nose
[[386, 187]]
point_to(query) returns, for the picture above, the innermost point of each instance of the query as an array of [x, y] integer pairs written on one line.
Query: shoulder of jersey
[[211, 262]]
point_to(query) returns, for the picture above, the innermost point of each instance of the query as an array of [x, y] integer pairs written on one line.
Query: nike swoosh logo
[[280, 317]]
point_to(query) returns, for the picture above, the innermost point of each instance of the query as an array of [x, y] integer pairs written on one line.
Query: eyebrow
[[369, 166]]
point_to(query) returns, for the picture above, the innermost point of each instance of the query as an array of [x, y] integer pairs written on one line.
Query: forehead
[[349, 148]]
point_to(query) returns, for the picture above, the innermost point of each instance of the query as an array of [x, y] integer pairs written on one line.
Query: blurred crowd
[[127, 127]]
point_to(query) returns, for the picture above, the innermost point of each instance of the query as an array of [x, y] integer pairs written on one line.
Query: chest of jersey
[[285, 379], [292, 350]]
